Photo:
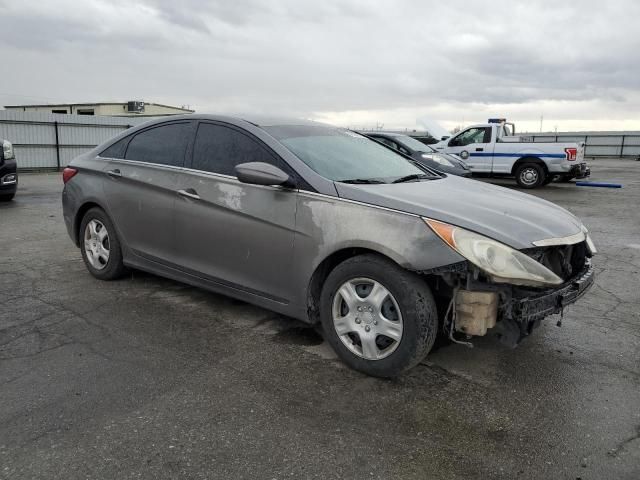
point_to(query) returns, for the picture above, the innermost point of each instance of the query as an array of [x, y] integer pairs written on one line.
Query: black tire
[[7, 197], [113, 268], [415, 302], [548, 180], [530, 175], [565, 178]]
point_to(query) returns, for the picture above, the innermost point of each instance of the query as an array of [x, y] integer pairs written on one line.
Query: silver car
[[324, 225]]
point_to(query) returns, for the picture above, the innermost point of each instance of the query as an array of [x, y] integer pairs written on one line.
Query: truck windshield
[[342, 155]]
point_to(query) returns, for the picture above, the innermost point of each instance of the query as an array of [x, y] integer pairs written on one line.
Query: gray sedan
[[324, 225]]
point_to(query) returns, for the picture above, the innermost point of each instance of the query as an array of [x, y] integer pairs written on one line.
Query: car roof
[[255, 119], [386, 134]]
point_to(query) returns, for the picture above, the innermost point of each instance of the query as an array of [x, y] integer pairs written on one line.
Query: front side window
[[165, 145], [341, 155], [218, 149], [473, 135]]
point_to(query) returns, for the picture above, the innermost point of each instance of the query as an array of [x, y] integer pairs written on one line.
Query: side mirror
[[260, 173]]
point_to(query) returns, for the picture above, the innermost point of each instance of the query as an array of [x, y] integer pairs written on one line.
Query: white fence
[[43, 140], [597, 144]]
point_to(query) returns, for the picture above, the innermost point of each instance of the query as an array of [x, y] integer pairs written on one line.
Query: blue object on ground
[[599, 184]]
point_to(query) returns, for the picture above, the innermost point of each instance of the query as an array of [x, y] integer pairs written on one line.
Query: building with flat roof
[[122, 109]]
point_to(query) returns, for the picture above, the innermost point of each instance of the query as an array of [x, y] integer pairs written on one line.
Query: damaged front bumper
[[524, 311], [510, 312], [528, 307]]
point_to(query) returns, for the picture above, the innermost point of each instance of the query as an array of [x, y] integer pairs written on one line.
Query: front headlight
[[7, 150], [503, 263], [437, 158]]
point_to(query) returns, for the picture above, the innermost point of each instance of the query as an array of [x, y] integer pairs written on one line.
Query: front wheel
[[379, 318], [6, 197], [530, 175]]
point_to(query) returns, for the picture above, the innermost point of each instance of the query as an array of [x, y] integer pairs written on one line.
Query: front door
[[474, 146], [236, 234]]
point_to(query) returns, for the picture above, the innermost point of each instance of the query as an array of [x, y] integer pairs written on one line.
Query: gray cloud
[[393, 59]]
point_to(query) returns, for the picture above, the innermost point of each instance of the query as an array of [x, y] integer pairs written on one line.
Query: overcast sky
[[349, 62]]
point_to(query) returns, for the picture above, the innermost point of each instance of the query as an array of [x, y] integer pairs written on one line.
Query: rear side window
[[165, 145], [116, 150], [218, 149]]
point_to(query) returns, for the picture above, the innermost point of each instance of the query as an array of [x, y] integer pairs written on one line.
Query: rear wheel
[[379, 318], [100, 246], [7, 197], [565, 178], [530, 175]]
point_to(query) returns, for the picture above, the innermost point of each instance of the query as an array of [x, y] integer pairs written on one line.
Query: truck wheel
[[379, 318], [565, 178], [530, 175], [100, 246]]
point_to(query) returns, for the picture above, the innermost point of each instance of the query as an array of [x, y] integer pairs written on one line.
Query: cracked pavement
[[148, 378]]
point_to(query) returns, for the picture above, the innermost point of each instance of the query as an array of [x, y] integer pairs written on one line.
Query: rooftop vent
[[135, 107]]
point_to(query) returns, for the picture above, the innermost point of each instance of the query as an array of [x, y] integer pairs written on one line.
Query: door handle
[[189, 193], [479, 149], [114, 173]]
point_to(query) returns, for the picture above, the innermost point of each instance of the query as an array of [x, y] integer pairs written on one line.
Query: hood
[[514, 218]]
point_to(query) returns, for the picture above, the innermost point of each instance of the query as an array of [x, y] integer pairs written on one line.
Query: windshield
[[340, 155], [413, 144]]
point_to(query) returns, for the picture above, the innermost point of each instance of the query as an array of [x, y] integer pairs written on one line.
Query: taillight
[[572, 153], [68, 173]]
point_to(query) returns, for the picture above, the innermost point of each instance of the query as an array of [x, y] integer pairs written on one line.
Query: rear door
[[140, 186], [235, 234], [474, 145]]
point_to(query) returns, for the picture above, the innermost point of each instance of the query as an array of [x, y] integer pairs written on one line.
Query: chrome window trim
[[235, 180], [569, 240], [139, 162]]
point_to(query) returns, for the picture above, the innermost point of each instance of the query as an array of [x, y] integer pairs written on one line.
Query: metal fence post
[[622, 147], [55, 124]]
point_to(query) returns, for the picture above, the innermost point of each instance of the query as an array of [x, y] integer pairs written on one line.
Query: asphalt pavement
[[148, 378]]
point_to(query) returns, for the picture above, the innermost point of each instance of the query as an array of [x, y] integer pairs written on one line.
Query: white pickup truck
[[493, 149]]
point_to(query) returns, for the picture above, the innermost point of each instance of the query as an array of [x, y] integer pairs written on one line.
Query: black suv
[[8, 172]]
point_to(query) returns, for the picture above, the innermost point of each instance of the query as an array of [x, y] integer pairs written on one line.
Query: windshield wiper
[[362, 181], [414, 176]]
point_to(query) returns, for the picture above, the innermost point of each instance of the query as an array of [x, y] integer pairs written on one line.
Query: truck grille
[[563, 260]]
